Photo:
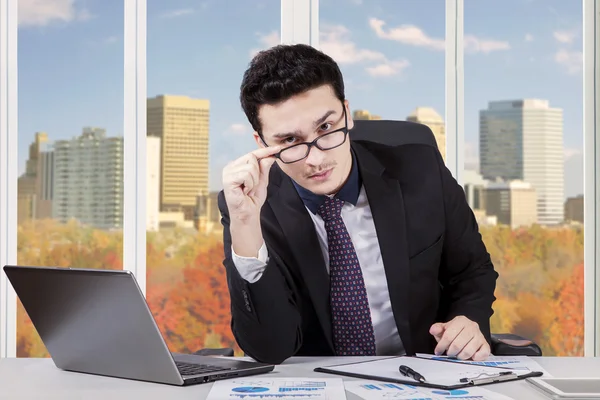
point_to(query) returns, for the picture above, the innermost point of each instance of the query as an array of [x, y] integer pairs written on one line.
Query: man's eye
[[326, 126], [288, 140]]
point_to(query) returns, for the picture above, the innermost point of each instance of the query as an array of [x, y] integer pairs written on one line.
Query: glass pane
[[70, 185], [197, 53], [524, 162], [392, 56]]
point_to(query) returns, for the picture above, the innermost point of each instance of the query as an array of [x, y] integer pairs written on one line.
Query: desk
[[30, 378]]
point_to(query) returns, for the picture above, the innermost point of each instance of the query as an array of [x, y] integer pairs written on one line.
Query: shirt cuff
[[251, 268]]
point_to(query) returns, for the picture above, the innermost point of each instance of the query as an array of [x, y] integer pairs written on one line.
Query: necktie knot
[[331, 208]]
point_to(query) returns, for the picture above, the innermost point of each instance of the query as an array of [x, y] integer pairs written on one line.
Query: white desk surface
[[30, 378]]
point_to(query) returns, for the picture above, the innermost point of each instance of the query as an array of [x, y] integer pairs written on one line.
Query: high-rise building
[[514, 203], [152, 183], [88, 179], [428, 116], [574, 209], [45, 183], [182, 124], [523, 140], [28, 182], [364, 115]]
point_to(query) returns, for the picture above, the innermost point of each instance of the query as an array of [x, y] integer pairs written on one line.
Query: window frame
[[299, 23]]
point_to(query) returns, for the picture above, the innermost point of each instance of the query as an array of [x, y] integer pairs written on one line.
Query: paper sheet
[[435, 372], [374, 390], [278, 388], [521, 363]]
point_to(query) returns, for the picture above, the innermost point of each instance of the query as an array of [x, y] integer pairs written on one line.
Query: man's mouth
[[322, 175]]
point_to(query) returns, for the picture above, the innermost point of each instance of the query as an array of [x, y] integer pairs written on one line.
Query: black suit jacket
[[435, 262]]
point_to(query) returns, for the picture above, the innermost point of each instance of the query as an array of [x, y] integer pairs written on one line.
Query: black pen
[[407, 371]]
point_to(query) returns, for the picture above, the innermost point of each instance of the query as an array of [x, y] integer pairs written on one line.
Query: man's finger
[[460, 342], [437, 330], [450, 333], [265, 166], [483, 353], [470, 349], [265, 151]]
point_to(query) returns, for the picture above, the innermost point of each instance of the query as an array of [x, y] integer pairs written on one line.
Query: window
[[392, 56], [524, 156], [197, 53], [70, 192]]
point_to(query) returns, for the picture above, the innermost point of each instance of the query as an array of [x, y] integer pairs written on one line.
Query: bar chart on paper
[[374, 390]]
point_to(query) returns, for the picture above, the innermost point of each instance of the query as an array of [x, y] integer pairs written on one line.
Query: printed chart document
[[375, 390], [520, 363], [278, 388]]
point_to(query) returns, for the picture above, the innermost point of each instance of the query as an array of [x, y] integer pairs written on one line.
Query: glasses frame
[[315, 143]]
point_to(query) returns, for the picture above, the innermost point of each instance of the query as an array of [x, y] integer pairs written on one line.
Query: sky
[[391, 52]]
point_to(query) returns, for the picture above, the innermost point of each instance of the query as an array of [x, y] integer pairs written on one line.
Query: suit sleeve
[[467, 275], [265, 319]]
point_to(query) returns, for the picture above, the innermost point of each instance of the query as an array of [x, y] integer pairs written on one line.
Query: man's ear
[[349, 115], [258, 140]]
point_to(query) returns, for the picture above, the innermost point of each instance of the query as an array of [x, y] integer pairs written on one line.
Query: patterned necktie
[[352, 327]]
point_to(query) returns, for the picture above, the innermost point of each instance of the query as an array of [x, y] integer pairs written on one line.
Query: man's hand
[[460, 338], [245, 183]]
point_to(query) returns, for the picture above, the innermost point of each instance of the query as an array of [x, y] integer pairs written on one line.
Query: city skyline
[[391, 55]]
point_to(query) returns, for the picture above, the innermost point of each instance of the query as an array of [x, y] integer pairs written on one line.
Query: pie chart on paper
[[457, 392]]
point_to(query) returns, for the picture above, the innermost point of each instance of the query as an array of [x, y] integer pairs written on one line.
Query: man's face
[[304, 118]]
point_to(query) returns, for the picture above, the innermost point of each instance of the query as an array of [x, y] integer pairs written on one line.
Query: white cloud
[[572, 61], [474, 44], [111, 40], [237, 129], [388, 68], [45, 12], [266, 41], [414, 36], [181, 12], [529, 37], [407, 34], [335, 41], [565, 36]]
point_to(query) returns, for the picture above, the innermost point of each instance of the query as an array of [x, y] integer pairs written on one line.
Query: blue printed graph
[[504, 364], [250, 389], [382, 386], [457, 392]]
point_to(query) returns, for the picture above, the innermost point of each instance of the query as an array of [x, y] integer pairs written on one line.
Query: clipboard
[[439, 374]]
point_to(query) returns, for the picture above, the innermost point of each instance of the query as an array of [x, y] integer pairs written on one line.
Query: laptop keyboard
[[197, 369]]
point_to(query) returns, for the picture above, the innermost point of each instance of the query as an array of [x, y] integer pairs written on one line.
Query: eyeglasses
[[328, 141]]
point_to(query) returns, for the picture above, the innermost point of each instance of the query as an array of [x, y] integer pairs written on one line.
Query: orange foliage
[[539, 292]]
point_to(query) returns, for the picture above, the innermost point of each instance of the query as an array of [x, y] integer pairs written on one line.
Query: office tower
[[45, 182], [523, 139], [27, 183], [514, 203], [574, 209], [428, 116], [182, 124], [364, 115], [474, 186], [88, 179], [152, 183]]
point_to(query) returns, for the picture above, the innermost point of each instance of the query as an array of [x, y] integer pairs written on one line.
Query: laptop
[[98, 322]]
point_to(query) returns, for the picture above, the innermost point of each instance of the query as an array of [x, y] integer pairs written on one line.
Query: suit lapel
[[387, 207], [299, 230]]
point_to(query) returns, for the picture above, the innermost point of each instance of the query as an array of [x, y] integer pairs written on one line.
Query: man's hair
[[281, 72]]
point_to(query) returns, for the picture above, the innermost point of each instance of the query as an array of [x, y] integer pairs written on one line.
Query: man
[[335, 247]]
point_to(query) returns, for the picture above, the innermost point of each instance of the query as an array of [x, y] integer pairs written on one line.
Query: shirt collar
[[349, 192]]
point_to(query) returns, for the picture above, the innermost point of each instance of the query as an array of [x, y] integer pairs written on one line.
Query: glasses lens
[[331, 140], [294, 153]]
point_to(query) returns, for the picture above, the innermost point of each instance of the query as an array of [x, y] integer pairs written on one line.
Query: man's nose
[[315, 156]]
